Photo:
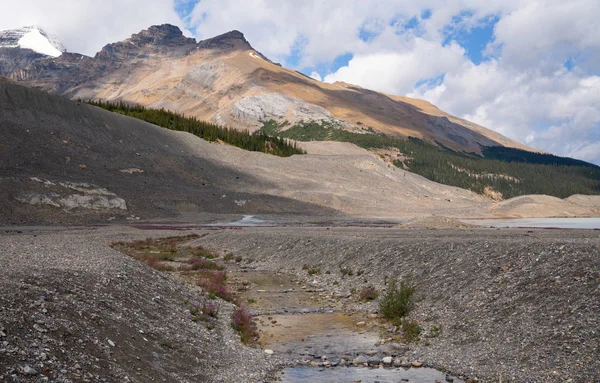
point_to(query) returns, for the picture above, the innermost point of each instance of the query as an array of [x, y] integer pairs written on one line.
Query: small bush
[[213, 282], [228, 257], [368, 294], [346, 271], [210, 309], [311, 270], [398, 300], [411, 330], [243, 322], [203, 253], [238, 259]]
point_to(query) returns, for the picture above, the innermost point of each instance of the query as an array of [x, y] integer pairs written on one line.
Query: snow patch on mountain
[[31, 37]]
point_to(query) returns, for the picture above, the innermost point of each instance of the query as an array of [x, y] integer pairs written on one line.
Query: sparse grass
[[411, 330], [311, 270], [243, 322], [398, 300], [202, 253], [251, 300], [210, 309], [228, 257], [238, 259], [201, 264], [213, 282], [368, 294], [154, 252], [346, 271], [435, 331]]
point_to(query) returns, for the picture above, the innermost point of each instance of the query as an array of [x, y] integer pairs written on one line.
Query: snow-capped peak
[[31, 37]]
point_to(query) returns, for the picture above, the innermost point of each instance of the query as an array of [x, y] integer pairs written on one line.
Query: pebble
[[269, 351], [28, 370], [111, 343], [387, 360], [359, 360], [417, 364]]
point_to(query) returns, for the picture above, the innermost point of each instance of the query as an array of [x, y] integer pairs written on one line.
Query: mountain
[[225, 80], [32, 38], [63, 161]]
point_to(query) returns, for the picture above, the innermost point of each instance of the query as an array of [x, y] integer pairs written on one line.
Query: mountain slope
[[66, 162], [225, 80], [62, 161]]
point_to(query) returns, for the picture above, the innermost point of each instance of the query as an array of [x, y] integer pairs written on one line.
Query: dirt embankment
[[74, 310], [513, 305]]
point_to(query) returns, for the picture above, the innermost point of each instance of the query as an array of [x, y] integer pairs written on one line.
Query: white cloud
[[397, 72], [86, 26], [316, 76]]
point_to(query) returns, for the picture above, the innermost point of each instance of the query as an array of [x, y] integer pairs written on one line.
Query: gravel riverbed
[[512, 305]]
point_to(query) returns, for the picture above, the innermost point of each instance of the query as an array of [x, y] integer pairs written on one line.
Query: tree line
[[257, 141], [510, 171]]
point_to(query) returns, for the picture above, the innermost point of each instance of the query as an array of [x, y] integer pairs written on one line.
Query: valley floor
[[514, 305]]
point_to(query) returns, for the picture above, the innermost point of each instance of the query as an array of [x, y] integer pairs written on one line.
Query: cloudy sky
[[529, 70]]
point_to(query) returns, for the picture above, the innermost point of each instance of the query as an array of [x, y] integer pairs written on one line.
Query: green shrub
[[411, 330], [398, 300]]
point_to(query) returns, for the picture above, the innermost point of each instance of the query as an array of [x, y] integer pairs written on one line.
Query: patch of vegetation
[[435, 331], [411, 330], [213, 282], [398, 300], [195, 263], [368, 294], [251, 301], [257, 142], [311, 270], [511, 172], [155, 252], [243, 322], [346, 271], [228, 257], [207, 313], [203, 253], [238, 259], [201, 264]]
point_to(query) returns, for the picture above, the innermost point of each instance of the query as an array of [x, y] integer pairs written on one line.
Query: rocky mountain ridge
[[225, 80], [33, 38]]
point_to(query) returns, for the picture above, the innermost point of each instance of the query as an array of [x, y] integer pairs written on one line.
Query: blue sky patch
[[473, 39]]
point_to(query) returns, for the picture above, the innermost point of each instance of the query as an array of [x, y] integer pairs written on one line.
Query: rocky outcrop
[[61, 195], [275, 106]]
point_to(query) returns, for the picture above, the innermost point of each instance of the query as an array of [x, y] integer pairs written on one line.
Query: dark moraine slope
[[66, 162]]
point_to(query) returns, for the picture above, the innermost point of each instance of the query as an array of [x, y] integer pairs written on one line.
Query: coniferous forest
[[257, 142]]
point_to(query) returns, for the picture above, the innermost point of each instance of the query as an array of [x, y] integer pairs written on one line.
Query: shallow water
[[559, 223], [363, 375], [309, 326]]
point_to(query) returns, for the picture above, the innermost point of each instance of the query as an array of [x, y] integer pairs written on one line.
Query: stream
[[327, 342]]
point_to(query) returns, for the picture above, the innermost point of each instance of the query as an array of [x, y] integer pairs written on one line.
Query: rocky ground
[[74, 310], [511, 305]]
